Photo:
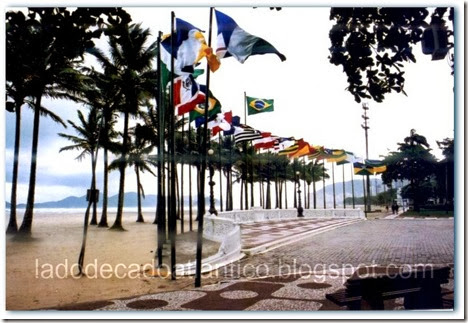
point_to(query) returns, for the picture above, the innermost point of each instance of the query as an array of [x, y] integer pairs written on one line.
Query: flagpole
[[352, 183], [220, 174], [161, 206], [190, 177], [172, 200], [182, 155], [323, 180], [344, 189], [245, 107], [201, 197], [333, 180]]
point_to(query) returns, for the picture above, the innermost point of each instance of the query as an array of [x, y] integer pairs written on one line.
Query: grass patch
[[428, 214]]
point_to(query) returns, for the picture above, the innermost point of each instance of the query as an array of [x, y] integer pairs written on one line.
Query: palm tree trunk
[[295, 194], [177, 189], [105, 189], [315, 194], [251, 187], [26, 225], [242, 194], [268, 195], [140, 214], [12, 224], [93, 185], [286, 194], [118, 218]]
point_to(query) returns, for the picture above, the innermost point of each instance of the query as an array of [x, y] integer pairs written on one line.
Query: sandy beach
[[41, 270]]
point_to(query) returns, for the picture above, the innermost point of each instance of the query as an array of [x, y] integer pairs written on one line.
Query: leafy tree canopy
[[371, 44]]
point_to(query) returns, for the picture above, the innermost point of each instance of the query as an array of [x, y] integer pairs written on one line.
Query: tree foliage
[[371, 44]]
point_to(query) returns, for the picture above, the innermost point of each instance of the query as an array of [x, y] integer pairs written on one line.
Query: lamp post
[[300, 210], [366, 127], [212, 209]]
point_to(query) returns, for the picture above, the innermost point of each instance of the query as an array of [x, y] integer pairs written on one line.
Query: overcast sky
[[309, 93]]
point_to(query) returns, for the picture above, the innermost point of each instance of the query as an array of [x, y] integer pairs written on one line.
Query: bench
[[420, 287]]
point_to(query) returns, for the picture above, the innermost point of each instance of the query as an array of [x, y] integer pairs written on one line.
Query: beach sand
[[41, 270]]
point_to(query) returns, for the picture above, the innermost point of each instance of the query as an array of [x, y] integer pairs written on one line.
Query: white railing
[[225, 228]]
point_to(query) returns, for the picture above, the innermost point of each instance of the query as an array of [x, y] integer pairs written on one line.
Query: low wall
[[225, 228], [259, 214], [222, 230]]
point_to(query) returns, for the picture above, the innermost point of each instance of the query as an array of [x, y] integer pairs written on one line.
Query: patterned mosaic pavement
[[278, 293], [269, 232]]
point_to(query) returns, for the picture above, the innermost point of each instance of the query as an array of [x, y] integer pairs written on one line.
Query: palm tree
[[314, 173], [130, 66], [87, 141], [138, 157], [17, 83], [105, 97], [57, 39]]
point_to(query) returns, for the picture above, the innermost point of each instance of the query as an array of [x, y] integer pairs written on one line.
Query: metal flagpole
[[161, 206], [245, 107], [323, 180], [201, 196], [182, 200], [190, 179], [333, 180], [344, 189], [172, 188], [220, 174], [352, 184]]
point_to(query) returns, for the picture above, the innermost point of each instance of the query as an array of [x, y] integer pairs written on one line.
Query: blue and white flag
[[234, 41]]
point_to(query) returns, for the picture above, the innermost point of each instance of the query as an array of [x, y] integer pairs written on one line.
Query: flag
[[189, 48], [235, 123], [349, 159], [186, 94], [362, 169], [377, 166], [336, 155], [221, 122], [266, 142], [283, 143], [292, 148], [255, 105], [246, 133], [234, 41], [316, 153], [214, 107], [303, 149]]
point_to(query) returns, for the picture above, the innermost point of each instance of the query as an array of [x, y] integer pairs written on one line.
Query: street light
[[212, 209], [366, 127], [300, 210]]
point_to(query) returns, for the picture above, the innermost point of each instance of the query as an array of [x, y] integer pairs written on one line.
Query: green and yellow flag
[[255, 105]]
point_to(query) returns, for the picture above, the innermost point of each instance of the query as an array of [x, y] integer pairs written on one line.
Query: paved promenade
[[297, 276]]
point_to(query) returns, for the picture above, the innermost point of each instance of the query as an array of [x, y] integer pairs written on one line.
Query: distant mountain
[[130, 200], [358, 190]]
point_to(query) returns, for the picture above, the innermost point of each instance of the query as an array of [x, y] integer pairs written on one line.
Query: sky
[[309, 94]]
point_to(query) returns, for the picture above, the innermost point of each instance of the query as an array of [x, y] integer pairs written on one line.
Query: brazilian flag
[[255, 105]]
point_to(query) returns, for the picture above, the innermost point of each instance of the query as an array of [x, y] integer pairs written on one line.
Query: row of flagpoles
[[179, 55]]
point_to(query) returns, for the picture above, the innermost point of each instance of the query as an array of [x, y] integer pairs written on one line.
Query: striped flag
[[267, 141], [246, 133], [291, 149]]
